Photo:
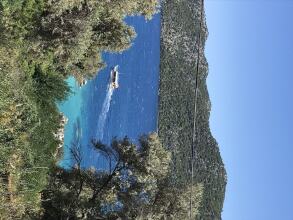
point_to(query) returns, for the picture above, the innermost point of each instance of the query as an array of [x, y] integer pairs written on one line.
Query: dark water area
[[94, 112]]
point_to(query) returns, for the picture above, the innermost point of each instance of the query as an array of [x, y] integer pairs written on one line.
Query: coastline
[[71, 109], [133, 106], [59, 136]]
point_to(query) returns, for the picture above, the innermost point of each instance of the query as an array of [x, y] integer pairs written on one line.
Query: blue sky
[[250, 55]]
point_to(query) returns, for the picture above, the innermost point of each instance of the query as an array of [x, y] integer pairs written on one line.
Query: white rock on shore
[[59, 135]]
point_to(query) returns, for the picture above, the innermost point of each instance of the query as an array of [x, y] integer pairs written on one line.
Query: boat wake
[[104, 113]]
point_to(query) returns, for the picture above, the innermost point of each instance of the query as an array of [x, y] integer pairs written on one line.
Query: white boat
[[114, 78]]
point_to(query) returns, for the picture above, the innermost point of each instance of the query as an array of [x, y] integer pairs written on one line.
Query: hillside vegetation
[[181, 22], [136, 186], [42, 42]]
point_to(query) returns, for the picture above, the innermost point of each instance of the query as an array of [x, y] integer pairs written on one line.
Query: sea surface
[[96, 112]]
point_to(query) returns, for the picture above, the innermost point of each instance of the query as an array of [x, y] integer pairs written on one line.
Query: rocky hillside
[[182, 22]]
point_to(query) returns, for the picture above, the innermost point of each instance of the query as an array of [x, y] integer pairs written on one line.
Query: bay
[[95, 113]]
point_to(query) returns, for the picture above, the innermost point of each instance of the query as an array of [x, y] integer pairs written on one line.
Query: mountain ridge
[[181, 24]]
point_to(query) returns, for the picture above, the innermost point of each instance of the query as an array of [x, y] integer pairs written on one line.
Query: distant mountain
[[183, 21]]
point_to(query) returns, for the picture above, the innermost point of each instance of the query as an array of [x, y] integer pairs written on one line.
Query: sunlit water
[[95, 112]]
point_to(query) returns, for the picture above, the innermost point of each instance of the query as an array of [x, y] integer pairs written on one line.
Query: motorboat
[[114, 78]]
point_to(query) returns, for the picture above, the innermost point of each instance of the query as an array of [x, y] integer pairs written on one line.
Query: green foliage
[[112, 34], [179, 57], [27, 123], [135, 7], [48, 87], [73, 31], [41, 43], [135, 187], [174, 202], [19, 17], [147, 8]]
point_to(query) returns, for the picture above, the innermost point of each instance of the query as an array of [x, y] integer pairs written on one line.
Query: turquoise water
[[72, 109], [95, 112]]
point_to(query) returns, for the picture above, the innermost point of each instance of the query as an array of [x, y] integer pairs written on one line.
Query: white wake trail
[[104, 113]]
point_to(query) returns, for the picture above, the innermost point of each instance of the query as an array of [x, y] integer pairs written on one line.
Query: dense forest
[[184, 129], [42, 43]]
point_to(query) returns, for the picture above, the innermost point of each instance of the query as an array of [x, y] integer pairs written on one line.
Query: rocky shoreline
[[59, 135]]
